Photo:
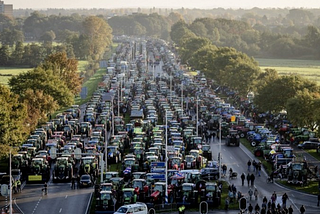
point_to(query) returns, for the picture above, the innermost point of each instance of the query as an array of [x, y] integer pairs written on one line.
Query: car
[[137, 208], [308, 145], [85, 181], [210, 173]]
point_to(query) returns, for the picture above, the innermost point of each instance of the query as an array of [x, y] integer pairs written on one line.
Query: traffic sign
[[5, 190], [158, 164], [77, 153], [243, 203], [159, 176], [203, 207], [158, 170], [53, 153]]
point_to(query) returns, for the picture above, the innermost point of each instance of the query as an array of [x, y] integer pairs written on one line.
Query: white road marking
[[66, 196], [60, 210]]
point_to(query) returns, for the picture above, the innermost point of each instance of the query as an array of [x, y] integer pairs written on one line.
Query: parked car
[[308, 145], [85, 181]]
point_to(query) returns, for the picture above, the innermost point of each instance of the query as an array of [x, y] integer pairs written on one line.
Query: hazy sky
[[162, 3]]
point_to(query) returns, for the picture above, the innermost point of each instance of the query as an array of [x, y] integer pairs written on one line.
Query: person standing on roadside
[[243, 177], [249, 165], [248, 178], [302, 209], [252, 177], [290, 210]]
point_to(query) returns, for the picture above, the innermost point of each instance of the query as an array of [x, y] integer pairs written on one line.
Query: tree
[[274, 95], [202, 59], [13, 114], [4, 55], [191, 45], [16, 57], [66, 69], [99, 35], [39, 105], [11, 36], [303, 109], [47, 81], [180, 32], [234, 69], [48, 36]]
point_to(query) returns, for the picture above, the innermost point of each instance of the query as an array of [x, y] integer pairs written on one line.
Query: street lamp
[[182, 96], [119, 101], [166, 159], [112, 115], [10, 184], [197, 125], [220, 120]]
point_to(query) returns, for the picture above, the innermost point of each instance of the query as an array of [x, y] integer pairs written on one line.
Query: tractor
[[63, 170]]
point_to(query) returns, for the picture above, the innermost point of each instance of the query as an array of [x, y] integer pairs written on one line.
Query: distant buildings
[[6, 9]]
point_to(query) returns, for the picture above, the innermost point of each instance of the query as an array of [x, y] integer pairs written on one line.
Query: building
[[6, 9]]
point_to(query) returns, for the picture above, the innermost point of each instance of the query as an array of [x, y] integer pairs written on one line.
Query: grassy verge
[[314, 153], [267, 166], [311, 188], [224, 194]]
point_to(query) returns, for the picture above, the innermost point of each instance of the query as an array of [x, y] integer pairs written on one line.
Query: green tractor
[[89, 165], [39, 170], [63, 170]]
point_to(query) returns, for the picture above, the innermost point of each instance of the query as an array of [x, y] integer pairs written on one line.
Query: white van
[[137, 208]]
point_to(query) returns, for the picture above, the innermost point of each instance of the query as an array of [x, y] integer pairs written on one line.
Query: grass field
[[309, 69], [10, 71]]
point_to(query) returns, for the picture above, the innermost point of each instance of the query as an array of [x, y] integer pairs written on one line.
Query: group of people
[[256, 167], [250, 178]]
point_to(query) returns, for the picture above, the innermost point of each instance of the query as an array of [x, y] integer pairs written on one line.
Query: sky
[[202, 4]]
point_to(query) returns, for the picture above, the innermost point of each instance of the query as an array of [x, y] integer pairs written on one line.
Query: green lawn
[[7, 72], [82, 65], [306, 68]]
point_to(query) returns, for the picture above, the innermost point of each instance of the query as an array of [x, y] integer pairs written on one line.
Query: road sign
[[77, 153], [5, 190], [159, 176], [203, 207], [243, 203], [158, 170], [158, 164], [53, 153]]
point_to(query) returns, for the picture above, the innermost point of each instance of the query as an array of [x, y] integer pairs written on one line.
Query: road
[[237, 158], [60, 199]]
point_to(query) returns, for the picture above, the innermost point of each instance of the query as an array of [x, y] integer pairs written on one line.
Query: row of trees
[[84, 37], [32, 95], [236, 70]]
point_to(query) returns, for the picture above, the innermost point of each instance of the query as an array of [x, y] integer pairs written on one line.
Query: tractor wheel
[[242, 135], [253, 143], [258, 153]]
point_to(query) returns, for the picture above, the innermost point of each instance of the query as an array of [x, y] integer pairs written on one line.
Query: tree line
[[234, 69]]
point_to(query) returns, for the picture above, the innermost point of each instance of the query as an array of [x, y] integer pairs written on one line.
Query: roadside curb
[[292, 189]]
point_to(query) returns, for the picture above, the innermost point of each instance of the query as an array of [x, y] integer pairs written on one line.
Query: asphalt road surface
[[237, 158]]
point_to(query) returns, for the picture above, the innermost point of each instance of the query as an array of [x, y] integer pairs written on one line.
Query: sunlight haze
[[203, 4]]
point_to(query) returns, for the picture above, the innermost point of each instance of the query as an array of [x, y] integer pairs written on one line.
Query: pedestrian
[[248, 178], [255, 193], [259, 168], [243, 177], [257, 208], [224, 169], [19, 185], [252, 177], [274, 197], [226, 207], [254, 165], [302, 209], [73, 182], [284, 200], [250, 208], [250, 192], [290, 210], [263, 210], [249, 165], [78, 181]]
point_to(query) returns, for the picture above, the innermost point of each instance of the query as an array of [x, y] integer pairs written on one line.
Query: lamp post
[[10, 185], [112, 116], [119, 101], [197, 125], [106, 150], [171, 88], [220, 147], [182, 96], [153, 69], [166, 159]]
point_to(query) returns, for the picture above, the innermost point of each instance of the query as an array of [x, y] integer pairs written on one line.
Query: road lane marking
[[66, 196], [60, 210], [231, 157]]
